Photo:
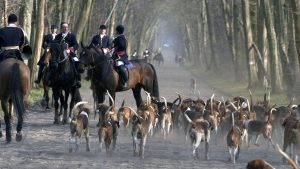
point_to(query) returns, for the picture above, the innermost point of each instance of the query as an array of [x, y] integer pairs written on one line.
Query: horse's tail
[[16, 91], [155, 88]]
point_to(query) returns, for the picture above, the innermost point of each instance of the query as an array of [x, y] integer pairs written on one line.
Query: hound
[[193, 86], [79, 125], [126, 113], [165, 120], [139, 131], [259, 163], [108, 130], [199, 131], [234, 141]]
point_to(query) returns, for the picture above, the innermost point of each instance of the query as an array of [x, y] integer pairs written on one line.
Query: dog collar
[[84, 113]]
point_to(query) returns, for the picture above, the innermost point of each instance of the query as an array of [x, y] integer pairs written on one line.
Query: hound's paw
[[18, 137], [256, 144]]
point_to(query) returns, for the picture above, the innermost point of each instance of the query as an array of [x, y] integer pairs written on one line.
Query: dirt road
[[46, 145]]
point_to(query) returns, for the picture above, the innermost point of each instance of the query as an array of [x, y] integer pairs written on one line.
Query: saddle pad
[[129, 65]]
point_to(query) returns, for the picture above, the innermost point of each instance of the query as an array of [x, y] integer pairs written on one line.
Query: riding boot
[[77, 75], [122, 70], [40, 75]]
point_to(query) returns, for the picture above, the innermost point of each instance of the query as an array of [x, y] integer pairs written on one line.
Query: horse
[[62, 78], [14, 91], [158, 58], [105, 77]]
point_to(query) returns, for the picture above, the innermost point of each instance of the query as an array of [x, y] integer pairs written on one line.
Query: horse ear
[[82, 45]]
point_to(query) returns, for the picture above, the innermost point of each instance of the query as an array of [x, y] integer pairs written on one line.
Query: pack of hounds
[[236, 121]]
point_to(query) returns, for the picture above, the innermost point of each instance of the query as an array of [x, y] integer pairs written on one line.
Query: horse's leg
[[19, 124], [75, 97], [0, 130], [7, 118], [137, 95], [46, 95], [62, 101], [56, 95], [100, 98], [66, 107]]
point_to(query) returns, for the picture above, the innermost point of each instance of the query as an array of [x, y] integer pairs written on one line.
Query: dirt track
[[46, 145]]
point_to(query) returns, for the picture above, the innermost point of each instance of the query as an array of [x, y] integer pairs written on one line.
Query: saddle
[[10, 54]]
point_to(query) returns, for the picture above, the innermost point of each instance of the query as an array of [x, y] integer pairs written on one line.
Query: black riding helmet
[[120, 29]]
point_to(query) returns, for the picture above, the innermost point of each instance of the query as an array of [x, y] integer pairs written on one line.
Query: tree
[[251, 63], [38, 38], [82, 22], [276, 80]]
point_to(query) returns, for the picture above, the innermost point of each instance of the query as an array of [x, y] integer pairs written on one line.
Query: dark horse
[[158, 58], [45, 78], [14, 91], [62, 78], [104, 77]]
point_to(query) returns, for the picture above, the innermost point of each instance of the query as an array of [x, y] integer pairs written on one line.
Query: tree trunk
[[261, 38], [213, 62], [65, 10], [251, 64], [83, 19], [295, 4], [38, 38], [5, 12], [276, 79], [25, 17]]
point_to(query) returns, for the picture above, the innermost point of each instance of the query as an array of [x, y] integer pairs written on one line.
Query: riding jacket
[[12, 39]]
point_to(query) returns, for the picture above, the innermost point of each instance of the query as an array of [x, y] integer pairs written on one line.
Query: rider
[[146, 55], [12, 39], [102, 40], [134, 55], [49, 38], [70, 39], [119, 56]]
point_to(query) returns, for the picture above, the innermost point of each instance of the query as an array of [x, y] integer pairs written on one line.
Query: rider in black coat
[[12, 40], [120, 56], [47, 40], [102, 40]]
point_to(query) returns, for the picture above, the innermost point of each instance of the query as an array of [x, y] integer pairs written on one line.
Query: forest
[[257, 41]]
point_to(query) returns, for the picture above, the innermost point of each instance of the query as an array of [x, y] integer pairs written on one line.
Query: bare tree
[[38, 37]]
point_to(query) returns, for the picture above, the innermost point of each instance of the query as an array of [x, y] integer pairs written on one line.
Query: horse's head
[[57, 53], [91, 56]]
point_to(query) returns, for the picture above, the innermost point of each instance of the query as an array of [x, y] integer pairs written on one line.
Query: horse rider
[[12, 39], [146, 55], [47, 40], [119, 54], [102, 40], [134, 55], [72, 45]]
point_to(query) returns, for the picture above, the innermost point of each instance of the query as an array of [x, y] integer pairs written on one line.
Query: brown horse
[[104, 77], [45, 77], [14, 91]]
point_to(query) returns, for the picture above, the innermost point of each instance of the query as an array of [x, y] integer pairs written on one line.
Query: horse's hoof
[[18, 137], [69, 120], [1, 134], [8, 140], [47, 108], [56, 122], [70, 150], [64, 121]]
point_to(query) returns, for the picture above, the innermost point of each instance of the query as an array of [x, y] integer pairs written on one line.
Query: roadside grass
[[37, 93], [230, 88]]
